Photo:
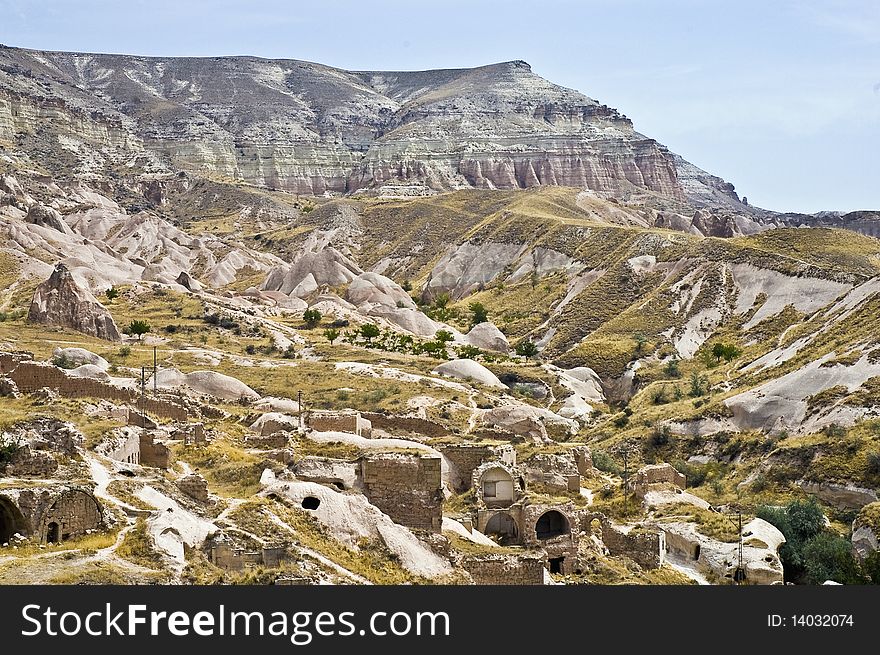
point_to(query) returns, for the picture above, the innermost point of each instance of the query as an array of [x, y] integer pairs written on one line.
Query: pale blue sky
[[782, 98]]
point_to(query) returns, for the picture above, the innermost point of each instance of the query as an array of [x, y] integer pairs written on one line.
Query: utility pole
[[143, 397], [155, 369], [739, 575]]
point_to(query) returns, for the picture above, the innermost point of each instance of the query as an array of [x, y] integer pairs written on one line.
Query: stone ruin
[[405, 487], [39, 442], [194, 486], [339, 421], [48, 514], [656, 477], [235, 552]]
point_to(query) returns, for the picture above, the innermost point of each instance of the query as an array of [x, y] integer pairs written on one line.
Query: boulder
[[209, 383], [866, 530], [487, 336], [60, 301], [89, 371], [841, 495], [188, 282], [518, 420], [311, 270], [272, 422], [377, 289], [468, 369], [80, 356], [194, 486], [46, 217]]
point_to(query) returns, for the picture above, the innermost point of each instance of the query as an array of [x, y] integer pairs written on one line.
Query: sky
[[779, 97]]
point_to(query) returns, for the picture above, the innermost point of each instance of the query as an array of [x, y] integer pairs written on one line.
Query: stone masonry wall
[[505, 569], [406, 424], [405, 487], [467, 457]]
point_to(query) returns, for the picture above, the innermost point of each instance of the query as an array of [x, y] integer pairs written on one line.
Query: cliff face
[[310, 129]]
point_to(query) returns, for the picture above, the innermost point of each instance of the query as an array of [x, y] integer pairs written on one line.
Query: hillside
[[510, 368]]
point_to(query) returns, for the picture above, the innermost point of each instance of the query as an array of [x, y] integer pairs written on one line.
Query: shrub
[[671, 369], [699, 385], [468, 352], [112, 294], [311, 317], [444, 336], [828, 556], [8, 449], [406, 286], [370, 331], [660, 435], [604, 462], [621, 421], [873, 467], [479, 313], [726, 351], [694, 475], [658, 396]]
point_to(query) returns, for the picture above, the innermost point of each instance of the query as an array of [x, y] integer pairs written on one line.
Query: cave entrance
[[556, 564], [11, 521], [52, 533], [551, 524], [502, 526]]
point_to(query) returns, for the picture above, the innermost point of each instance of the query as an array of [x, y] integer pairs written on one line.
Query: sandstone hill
[[408, 327]]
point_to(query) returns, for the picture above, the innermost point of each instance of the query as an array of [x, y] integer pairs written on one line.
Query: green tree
[[526, 348], [726, 351], [641, 341], [370, 331], [671, 369], [479, 313], [699, 385], [444, 336], [311, 317], [468, 352], [829, 556], [112, 294], [138, 327], [332, 334]]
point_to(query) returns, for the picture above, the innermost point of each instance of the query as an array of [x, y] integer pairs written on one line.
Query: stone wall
[[407, 425], [466, 457], [194, 486], [656, 475], [31, 463], [123, 445], [10, 360], [405, 487], [153, 453], [231, 558], [351, 422], [497, 569], [74, 513], [552, 472], [647, 548], [31, 376], [57, 511]]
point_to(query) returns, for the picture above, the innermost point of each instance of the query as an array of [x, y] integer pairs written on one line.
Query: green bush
[[604, 462], [526, 348], [311, 317]]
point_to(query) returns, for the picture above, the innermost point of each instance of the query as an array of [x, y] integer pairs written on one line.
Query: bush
[[694, 476], [658, 396], [311, 317], [604, 462], [671, 370], [873, 467], [479, 313], [660, 436], [112, 294], [468, 352], [829, 556], [699, 385], [370, 331], [444, 336], [621, 421], [8, 449]]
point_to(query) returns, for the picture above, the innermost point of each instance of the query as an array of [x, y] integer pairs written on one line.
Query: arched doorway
[[11, 521], [551, 524], [497, 487], [503, 526], [52, 536]]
